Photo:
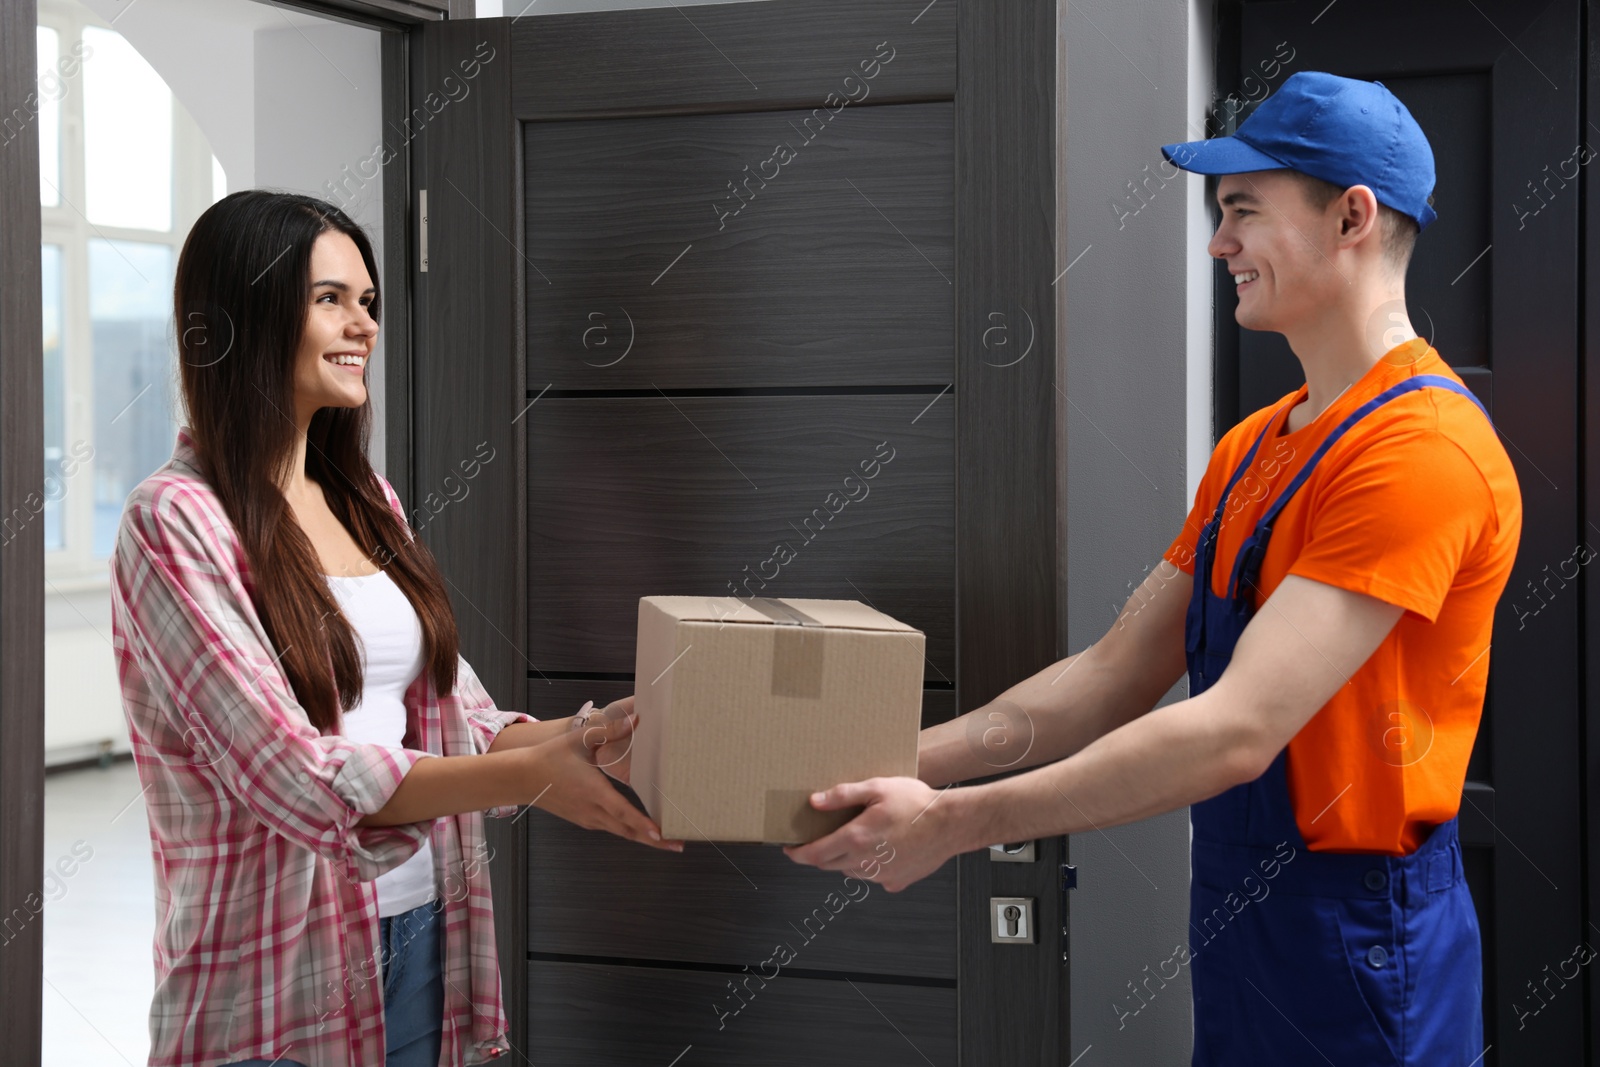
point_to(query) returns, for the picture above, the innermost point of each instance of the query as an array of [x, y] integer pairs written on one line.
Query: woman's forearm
[[524, 734], [449, 785]]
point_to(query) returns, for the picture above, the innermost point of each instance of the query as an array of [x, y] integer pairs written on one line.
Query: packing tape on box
[[797, 648]]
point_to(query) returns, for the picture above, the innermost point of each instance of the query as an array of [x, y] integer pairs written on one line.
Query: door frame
[[22, 568], [22, 451]]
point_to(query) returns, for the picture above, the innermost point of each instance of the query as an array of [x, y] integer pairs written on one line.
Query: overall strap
[[1244, 465], [1420, 381]]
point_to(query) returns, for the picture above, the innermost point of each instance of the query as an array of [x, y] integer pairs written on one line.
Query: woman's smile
[[350, 361]]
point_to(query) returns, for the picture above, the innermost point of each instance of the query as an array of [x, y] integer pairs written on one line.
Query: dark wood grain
[[1007, 568], [654, 272], [373, 13], [575, 1010], [399, 259], [22, 556], [632, 497], [466, 399], [781, 377], [721, 904], [599, 895], [1589, 445], [727, 57], [1533, 312]]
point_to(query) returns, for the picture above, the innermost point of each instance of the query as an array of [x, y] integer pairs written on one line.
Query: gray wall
[[1136, 378]]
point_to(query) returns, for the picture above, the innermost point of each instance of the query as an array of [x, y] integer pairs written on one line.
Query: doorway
[[148, 114]]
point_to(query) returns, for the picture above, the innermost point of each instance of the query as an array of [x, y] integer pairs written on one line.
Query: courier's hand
[[899, 839], [572, 787], [609, 737]]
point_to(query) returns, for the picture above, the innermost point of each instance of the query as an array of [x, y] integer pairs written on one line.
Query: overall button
[[1376, 880], [1377, 956]]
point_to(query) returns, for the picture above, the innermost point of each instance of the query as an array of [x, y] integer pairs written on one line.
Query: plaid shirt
[[266, 938]]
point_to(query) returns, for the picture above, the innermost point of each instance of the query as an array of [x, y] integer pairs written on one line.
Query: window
[[123, 172]]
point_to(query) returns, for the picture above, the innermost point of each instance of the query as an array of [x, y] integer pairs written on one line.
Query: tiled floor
[[99, 921]]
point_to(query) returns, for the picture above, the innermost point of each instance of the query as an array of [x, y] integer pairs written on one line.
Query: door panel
[[718, 274], [1493, 285], [575, 1010], [738, 57], [746, 899], [847, 312], [662, 496]]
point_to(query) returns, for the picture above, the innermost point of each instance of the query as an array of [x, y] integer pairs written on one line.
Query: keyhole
[[1011, 914]]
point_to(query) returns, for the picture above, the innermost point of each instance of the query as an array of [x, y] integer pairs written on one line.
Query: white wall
[[318, 121], [204, 52], [1201, 347]]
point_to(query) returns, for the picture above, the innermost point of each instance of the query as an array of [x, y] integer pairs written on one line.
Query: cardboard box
[[746, 707]]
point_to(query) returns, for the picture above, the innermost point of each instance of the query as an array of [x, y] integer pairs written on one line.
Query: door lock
[[1011, 920]]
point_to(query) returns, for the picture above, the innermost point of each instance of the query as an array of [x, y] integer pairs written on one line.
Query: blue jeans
[[411, 951]]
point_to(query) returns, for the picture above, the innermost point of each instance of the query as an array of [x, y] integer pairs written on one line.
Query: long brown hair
[[240, 298]]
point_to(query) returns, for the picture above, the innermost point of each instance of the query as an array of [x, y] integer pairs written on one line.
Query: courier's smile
[[1272, 242]]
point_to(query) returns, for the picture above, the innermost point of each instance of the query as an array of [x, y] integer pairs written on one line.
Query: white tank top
[[391, 659]]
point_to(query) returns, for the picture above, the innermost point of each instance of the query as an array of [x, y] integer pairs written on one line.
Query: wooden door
[[1494, 287], [685, 271]]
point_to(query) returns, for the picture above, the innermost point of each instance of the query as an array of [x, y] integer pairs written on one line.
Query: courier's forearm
[[1172, 757], [1043, 718]]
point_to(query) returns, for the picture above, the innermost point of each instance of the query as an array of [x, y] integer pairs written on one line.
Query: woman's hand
[[608, 733], [571, 785]]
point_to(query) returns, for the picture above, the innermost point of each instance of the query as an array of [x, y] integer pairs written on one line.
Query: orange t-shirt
[[1418, 505]]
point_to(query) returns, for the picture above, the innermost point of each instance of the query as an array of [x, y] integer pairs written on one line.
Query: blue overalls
[[1353, 959]]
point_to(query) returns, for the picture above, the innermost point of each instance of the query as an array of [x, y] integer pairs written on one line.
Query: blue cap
[[1342, 130]]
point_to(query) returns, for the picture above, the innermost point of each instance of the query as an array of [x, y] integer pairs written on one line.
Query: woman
[[314, 751]]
